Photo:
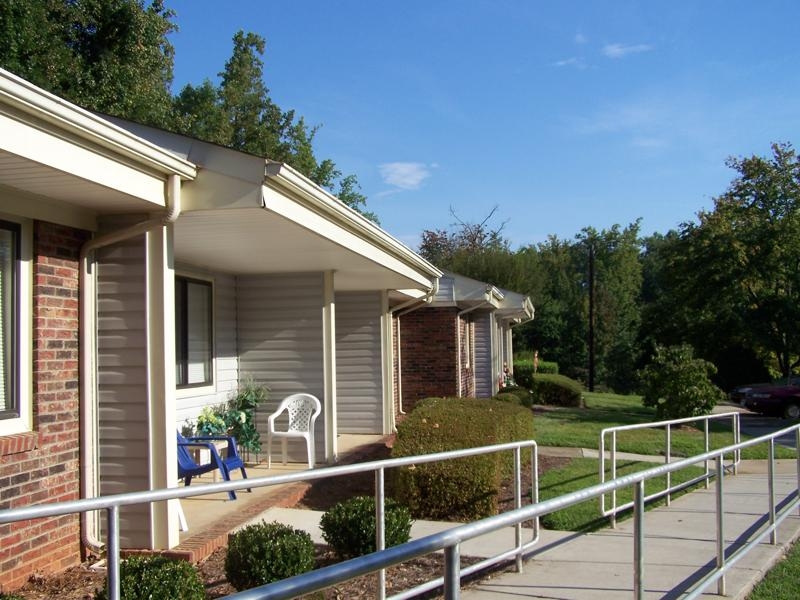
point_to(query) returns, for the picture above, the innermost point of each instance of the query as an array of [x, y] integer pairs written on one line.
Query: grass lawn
[[583, 472], [581, 427], [783, 580]]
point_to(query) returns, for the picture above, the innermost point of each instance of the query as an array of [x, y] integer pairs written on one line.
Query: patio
[[212, 517]]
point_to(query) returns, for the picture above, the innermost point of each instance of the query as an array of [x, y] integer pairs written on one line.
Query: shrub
[[523, 373], [10, 596], [465, 488], [267, 552], [517, 395], [547, 367], [679, 385], [157, 578], [349, 526], [557, 390]]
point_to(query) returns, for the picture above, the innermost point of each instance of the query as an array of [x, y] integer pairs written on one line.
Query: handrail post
[[737, 433], [613, 476], [667, 458], [518, 504], [720, 525], [638, 540], [797, 452], [380, 527], [535, 485], [112, 554], [773, 535], [452, 572], [706, 446]]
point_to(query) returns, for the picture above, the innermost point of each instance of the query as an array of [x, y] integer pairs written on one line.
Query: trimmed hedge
[[547, 367], [515, 394], [523, 371], [349, 526], [157, 578], [557, 390], [265, 552], [464, 488]]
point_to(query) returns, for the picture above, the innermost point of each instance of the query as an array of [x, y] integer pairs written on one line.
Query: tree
[[678, 385], [110, 56], [741, 262]]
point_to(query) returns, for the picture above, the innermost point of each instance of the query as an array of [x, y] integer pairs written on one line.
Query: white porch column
[[329, 360], [387, 364], [161, 382]]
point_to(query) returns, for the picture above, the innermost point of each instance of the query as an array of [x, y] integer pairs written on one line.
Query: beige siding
[[226, 363], [359, 377], [122, 382], [280, 342], [483, 354]]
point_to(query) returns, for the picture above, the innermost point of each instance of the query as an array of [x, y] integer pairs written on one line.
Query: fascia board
[[25, 97], [279, 202], [41, 147], [280, 176]]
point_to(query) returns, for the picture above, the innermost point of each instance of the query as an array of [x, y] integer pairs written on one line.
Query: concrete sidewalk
[[680, 546]]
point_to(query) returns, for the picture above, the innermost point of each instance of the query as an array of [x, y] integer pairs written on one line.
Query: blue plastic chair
[[188, 468]]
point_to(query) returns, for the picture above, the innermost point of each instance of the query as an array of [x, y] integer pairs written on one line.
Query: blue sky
[[562, 114]]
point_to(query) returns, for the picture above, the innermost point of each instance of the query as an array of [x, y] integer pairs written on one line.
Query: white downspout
[[88, 345], [414, 304]]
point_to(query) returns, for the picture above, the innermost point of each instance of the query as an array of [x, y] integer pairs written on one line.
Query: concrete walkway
[[680, 546]]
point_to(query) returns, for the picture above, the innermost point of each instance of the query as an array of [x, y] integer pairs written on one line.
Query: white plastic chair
[[303, 411]]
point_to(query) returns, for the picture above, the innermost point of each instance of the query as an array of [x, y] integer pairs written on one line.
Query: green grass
[[782, 582], [581, 427], [583, 472]]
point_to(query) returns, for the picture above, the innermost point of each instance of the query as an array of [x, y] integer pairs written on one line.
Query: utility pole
[[591, 315]]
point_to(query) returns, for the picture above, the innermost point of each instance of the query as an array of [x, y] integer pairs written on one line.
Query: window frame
[[181, 345], [22, 328]]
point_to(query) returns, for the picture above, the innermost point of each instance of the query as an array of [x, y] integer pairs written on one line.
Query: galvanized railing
[[112, 504], [450, 540], [668, 489]]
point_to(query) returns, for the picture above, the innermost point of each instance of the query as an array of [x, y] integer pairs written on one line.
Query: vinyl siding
[[280, 343], [483, 354], [122, 382], [359, 377]]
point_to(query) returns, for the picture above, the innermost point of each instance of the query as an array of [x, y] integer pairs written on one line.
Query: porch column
[[387, 364], [161, 383], [329, 360]]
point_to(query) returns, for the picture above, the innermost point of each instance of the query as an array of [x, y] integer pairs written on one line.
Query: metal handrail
[[450, 540], [113, 503], [668, 487]]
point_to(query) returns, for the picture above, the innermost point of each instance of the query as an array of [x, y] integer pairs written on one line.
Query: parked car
[[739, 394], [780, 400]]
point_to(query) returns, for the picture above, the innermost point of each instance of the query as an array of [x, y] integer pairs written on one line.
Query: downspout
[[414, 305], [88, 344], [458, 337]]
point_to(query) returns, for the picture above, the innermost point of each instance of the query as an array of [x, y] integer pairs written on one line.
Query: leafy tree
[[740, 264], [678, 385], [111, 56]]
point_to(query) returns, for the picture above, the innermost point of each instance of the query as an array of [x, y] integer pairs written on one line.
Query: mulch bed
[[80, 583]]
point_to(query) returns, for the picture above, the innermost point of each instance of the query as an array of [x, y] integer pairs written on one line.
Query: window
[[9, 318], [193, 332]]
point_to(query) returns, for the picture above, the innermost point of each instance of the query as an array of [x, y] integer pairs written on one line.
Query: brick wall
[[429, 359], [42, 466]]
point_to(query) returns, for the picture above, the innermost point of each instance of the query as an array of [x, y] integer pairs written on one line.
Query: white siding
[[483, 354], [280, 343], [226, 363], [359, 380], [122, 382]]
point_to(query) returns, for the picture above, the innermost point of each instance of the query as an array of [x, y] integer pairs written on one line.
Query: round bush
[[267, 552], [349, 526], [157, 578]]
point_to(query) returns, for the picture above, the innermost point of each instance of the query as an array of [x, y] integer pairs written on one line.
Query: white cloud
[[580, 38], [623, 50], [405, 175], [573, 61]]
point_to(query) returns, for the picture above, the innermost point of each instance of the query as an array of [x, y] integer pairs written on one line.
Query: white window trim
[[23, 423], [188, 392]]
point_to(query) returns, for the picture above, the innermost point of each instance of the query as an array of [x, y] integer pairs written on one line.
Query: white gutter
[[287, 179], [414, 304], [88, 345], [27, 98]]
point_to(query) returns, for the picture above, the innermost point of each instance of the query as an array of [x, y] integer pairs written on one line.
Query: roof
[[464, 292]]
